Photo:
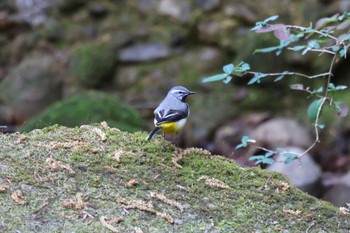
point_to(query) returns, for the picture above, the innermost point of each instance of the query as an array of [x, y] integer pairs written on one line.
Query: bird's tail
[[154, 131]]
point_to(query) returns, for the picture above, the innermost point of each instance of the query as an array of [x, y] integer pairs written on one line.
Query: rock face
[[31, 86]]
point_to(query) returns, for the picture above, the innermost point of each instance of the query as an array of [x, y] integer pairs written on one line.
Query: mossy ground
[[65, 179]]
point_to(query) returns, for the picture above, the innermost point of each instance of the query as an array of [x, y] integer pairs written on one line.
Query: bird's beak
[[191, 92]]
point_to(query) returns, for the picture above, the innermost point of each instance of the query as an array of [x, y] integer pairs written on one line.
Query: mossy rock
[[88, 107], [76, 179], [92, 64]]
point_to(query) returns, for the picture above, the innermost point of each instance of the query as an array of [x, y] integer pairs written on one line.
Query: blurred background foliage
[[73, 62]]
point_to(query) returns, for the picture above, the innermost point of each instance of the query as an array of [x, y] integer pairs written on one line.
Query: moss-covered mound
[[85, 108], [92, 63], [100, 179]]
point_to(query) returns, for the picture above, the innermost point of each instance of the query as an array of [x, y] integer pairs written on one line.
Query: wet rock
[[144, 52], [147, 6], [34, 12], [281, 132], [304, 173], [92, 64], [71, 6], [11, 26], [120, 38], [204, 59], [209, 5], [97, 10], [31, 86], [126, 77], [344, 6], [339, 195], [178, 10], [208, 31], [240, 11], [228, 136]]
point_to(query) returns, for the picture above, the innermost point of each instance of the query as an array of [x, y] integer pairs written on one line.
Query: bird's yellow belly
[[173, 127]]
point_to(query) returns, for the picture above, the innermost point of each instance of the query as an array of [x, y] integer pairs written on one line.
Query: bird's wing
[[169, 116]]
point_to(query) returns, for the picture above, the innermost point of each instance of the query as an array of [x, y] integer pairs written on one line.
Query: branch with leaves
[[331, 36]]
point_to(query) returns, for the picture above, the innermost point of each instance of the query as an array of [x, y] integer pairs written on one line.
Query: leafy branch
[[330, 36]]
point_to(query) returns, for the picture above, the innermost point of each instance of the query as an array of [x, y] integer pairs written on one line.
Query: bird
[[172, 113]]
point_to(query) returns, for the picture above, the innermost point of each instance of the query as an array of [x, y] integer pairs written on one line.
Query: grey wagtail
[[171, 114]]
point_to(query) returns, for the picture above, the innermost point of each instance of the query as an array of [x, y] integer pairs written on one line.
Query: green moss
[[84, 108], [92, 64], [244, 207]]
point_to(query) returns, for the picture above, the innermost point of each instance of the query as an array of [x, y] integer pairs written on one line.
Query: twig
[[267, 181], [108, 226], [291, 73]]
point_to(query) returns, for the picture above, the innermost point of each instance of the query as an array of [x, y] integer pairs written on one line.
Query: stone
[[339, 194], [303, 173], [147, 6], [208, 31], [92, 64], [209, 5], [34, 12], [97, 10], [31, 86], [281, 132], [179, 10], [144, 52]]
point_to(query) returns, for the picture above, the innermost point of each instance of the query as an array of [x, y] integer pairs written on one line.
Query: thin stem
[[314, 31], [292, 73]]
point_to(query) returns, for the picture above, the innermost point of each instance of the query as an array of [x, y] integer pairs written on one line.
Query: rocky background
[[74, 62]]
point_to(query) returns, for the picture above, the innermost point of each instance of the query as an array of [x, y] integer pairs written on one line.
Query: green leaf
[[343, 51], [340, 87], [245, 67], [244, 142], [298, 47], [305, 51], [269, 154], [266, 50], [319, 90], [268, 161], [313, 109], [227, 79], [215, 78], [228, 68], [256, 157], [279, 78], [256, 78], [335, 48], [331, 86], [271, 18], [290, 157]]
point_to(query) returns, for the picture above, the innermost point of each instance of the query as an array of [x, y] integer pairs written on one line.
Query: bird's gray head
[[180, 93]]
